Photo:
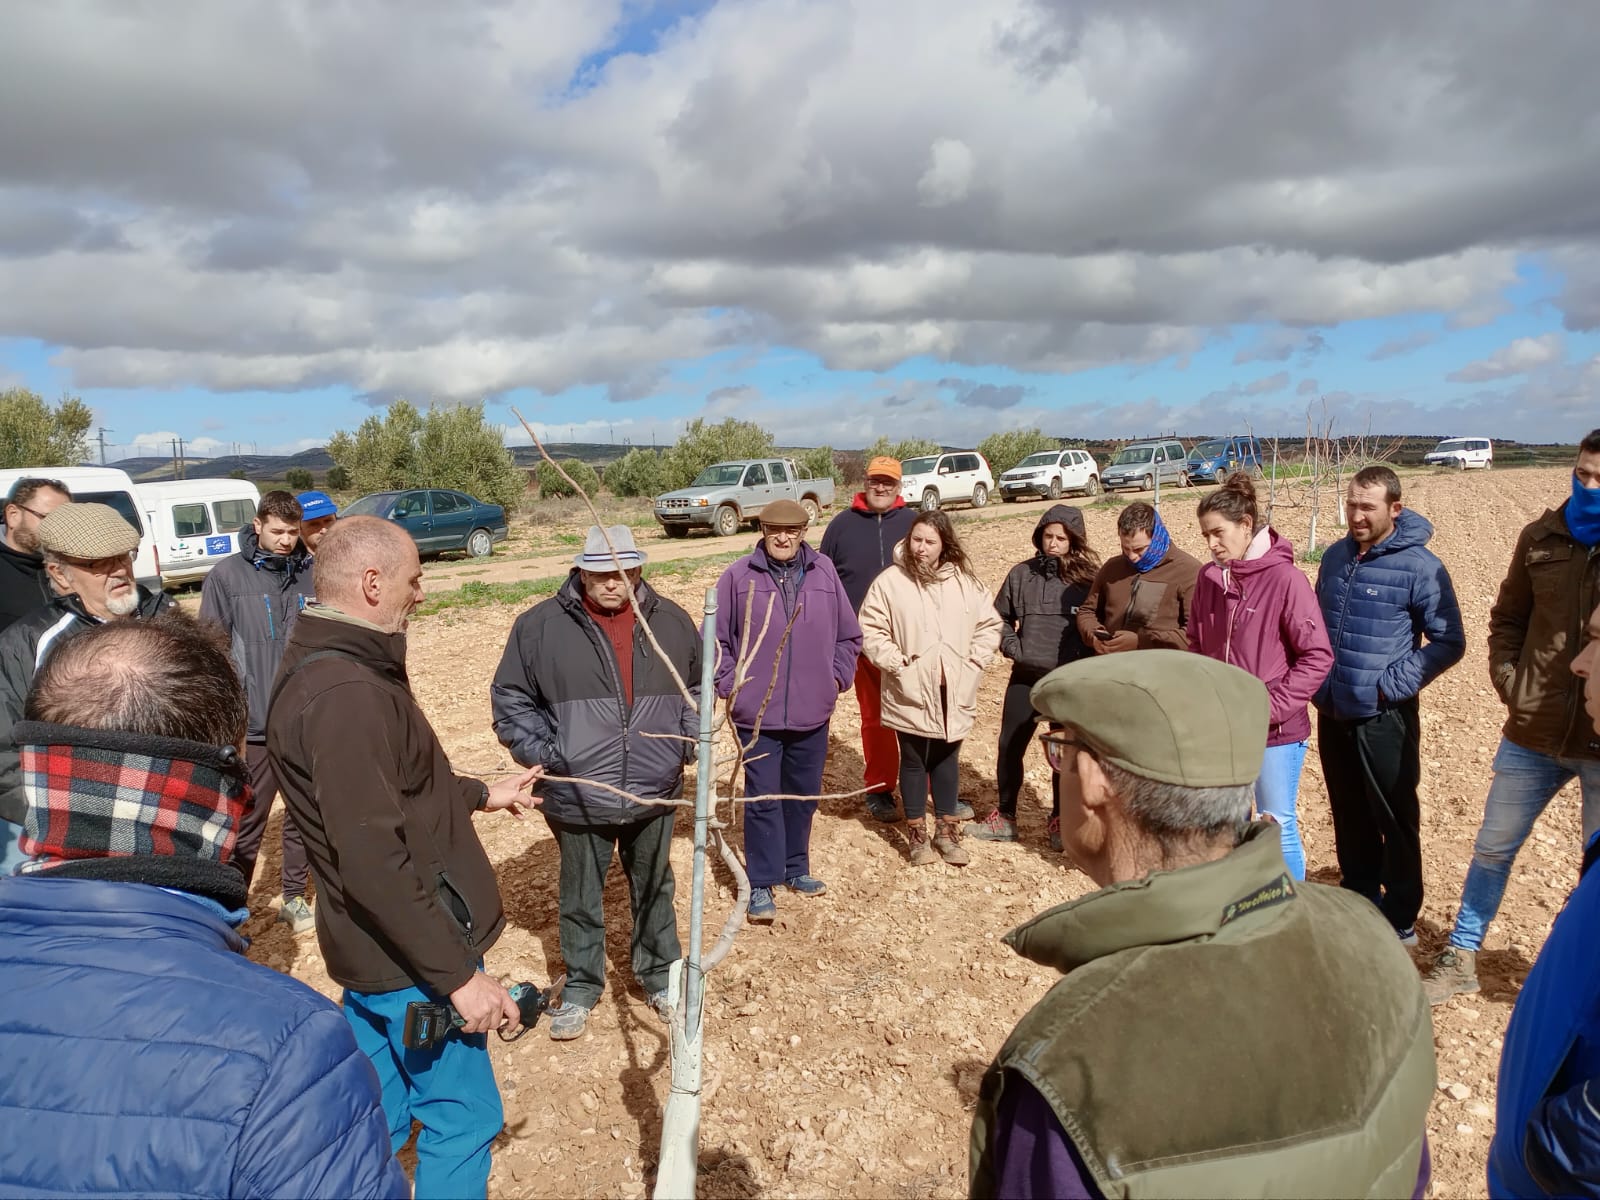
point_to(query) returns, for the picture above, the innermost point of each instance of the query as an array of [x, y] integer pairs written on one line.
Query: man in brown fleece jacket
[[407, 901], [1140, 598]]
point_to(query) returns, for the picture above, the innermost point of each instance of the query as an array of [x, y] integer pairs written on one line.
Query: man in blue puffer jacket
[[1382, 592], [145, 1055]]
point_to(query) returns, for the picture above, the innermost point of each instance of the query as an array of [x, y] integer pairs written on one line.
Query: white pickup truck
[[727, 495]]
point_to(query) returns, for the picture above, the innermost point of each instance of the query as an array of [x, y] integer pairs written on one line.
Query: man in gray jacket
[[254, 597], [582, 692]]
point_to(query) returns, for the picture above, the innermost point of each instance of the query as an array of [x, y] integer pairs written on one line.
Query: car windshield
[[1133, 455], [719, 475], [1039, 460], [1212, 450], [1450, 444], [917, 466], [370, 506]]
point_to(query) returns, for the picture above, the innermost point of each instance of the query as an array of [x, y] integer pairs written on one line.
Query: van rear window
[[233, 515], [120, 501]]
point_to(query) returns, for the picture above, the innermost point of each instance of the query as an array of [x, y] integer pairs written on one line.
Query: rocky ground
[[845, 1045]]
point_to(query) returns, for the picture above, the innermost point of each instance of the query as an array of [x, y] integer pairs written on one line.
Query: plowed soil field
[[845, 1044]]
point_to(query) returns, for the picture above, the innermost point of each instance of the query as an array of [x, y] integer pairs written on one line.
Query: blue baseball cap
[[316, 505]]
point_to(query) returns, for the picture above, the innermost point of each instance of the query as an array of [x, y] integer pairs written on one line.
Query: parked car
[[102, 485], [1214, 461], [196, 522], [1050, 473], [1139, 464], [727, 495], [438, 519], [937, 480], [1461, 453]]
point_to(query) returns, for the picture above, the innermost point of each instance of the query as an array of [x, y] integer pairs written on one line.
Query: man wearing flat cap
[[1220, 1029], [88, 559], [582, 692]]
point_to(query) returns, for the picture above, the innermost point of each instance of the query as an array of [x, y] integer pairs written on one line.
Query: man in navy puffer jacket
[[1382, 591], [144, 1054]]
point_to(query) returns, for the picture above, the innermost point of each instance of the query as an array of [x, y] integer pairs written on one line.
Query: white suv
[[1461, 453], [939, 479], [1050, 473]]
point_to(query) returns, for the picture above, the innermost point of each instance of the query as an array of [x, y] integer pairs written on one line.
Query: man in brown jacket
[[1140, 598], [407, 901], [1535, 631]]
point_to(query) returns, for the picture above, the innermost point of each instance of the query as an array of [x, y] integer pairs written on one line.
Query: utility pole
[[103, 432], [175, 474]]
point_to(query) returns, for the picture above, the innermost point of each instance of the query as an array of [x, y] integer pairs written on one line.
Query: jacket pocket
[[455, 903]]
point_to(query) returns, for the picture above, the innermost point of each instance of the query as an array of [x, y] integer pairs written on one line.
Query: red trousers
[[880, 748]]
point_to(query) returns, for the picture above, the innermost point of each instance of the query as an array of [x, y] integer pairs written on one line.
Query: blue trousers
[[450, 1089], [1277, 790], [777, 833]]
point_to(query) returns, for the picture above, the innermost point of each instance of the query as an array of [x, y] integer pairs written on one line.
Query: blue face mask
[[1583, 513]]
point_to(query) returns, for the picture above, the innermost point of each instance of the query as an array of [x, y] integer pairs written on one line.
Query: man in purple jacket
[[783, 699]]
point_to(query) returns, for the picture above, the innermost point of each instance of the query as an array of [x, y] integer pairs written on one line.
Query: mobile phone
[[1103, 635]]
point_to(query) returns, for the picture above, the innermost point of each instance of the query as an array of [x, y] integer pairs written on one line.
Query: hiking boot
[[947, 841], [996, 827], [917, 834], [1054, 831], [1454, 973], [964, 811], [806, 885], [568, 1021], [882, 807], [763, 908], [659, 1005], [297, 915], [1407, 936]]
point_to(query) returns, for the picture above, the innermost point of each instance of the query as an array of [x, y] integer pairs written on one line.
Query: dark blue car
[[438, 519]]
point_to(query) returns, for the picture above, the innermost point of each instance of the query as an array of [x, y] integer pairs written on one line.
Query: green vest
[[1222, 1030]]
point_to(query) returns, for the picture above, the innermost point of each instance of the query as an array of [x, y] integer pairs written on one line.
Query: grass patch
[[477, 594], [1314, 555], [684, 567], [1109, 500]]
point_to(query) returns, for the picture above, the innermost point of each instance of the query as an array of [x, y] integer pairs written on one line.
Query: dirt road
[[845, 1045]]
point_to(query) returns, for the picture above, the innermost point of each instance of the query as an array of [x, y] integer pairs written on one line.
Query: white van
[[101, 485], [1461, 453], [196, 522]]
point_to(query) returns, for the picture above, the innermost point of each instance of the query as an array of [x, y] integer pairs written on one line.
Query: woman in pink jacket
[[1254, 608]]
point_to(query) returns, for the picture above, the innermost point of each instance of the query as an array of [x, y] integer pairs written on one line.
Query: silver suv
[[1139, 464]]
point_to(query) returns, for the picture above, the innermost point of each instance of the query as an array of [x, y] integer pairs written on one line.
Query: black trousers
[[253, 825], [1372, 767], [926, 761], [1018, 724]]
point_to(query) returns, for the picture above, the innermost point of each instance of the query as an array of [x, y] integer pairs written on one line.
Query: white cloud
[[1521, 356], [949, 175]]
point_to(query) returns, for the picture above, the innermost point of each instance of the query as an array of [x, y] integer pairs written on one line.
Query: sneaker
[[963, 811], [1408, 937], [568, 1021], [996, 827], [763, 909], [1054, 831], [297, 915], [806, 885], [1454, 973], [660, 1006], [883, 808]]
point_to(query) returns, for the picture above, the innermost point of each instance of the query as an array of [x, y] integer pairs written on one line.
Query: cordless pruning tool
[[428, 1024]]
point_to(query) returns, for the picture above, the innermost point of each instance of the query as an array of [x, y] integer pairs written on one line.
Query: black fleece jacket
[[1040, 609]]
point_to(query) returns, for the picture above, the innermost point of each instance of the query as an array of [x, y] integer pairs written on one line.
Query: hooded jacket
[[136, 1087], [1261, 615], [1536, 630], [558, 699], [23, 583], [255, 599], [405, 893], [1155, 605], [1039, 609], [1377, 607], [817, 662], [23, 647], [922, 637], [861, 543]]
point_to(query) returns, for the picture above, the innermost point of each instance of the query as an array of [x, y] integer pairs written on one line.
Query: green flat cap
[[1166, 715]]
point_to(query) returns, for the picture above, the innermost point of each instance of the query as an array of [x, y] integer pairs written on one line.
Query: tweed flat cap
[[87, 531], [1166, 715]]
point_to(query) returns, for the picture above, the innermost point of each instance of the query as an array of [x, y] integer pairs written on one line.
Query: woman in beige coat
[[930, 627]]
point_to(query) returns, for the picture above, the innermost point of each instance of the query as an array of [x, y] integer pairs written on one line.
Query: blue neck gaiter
[[1160, 543], [1583, 513]]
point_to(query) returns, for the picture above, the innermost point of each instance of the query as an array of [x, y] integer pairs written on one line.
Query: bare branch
[[741, 904]]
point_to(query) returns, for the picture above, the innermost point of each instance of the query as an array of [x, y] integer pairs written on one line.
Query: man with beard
[[23, 586], [88, 556]]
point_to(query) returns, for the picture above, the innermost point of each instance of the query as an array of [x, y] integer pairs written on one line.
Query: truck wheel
[[980, 495], [930, 500], [726, 523], [480, 544], [1092, 488], [676, 531], [1055, 488], [812, 511], [1149, 484]]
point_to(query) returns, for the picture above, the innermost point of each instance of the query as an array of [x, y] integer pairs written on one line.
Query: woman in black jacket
[[1039, 604]]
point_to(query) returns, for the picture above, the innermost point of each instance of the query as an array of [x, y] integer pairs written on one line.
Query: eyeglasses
[[883, 485], [1058, 745], [783, 530], [98, 566], [32, 512]]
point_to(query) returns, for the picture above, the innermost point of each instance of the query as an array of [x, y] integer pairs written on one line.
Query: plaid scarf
[[97, 794]]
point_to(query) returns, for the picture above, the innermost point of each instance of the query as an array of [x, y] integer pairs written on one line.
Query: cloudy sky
[[256, 223]]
